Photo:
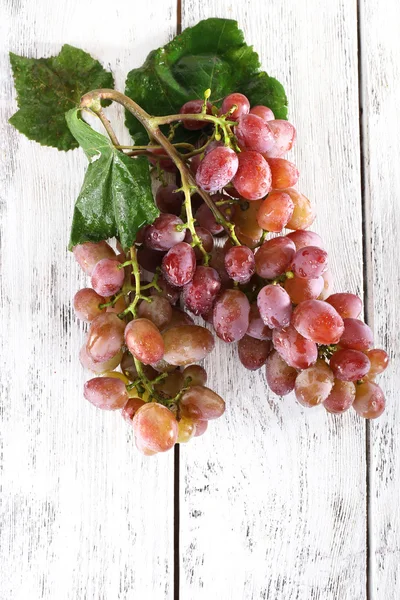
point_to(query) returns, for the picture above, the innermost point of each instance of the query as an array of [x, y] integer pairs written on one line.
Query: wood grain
[[273, 501], [381, 128], [83, 516]]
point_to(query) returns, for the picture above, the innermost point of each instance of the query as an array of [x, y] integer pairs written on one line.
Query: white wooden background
[[275, 502]]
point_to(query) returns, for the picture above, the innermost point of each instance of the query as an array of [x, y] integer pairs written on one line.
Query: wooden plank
[[381, 127], [83, 515], [273, 496]]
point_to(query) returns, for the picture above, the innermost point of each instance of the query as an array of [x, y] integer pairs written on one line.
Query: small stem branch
[[107, 125]]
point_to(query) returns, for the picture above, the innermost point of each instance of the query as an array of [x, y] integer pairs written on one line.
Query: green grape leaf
[[116, 198], [211, 55], [48, 87]]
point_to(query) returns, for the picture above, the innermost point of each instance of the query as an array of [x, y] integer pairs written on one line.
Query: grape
[[274, 257], [179, 317], [201, 403], [171, 385], [206, 239], [275, 306], [186, 430], [131, 408], [118, 306], [206, 220], [162, 160], [213, 144], [169, 200], [303, 213], [195, 163], [284, 173], [99, 367], [155, 427], [199, 294], [105, 338], [284, 138], [253, 353], [356, 335], [296, 351], [158, 311], [231, 315], [369, 401], [89, 254], [341, 397], [167, 291], [201, 427], [275, 211], [318, 321], [379, 360], [107, 277], [280, 377], [144, 341], [253, 133], [240, 264], [116, 375], [217, 169], [194, 107], [107, 393], [300, 290], [348, 306], [218, 263], [241, 102], [349, 365], [313, 385], [86, 304], [196, 374], [149, 259], [257, 328], [263, 112], [253, 176], [129, 369], [187, 344], [161, 366], [247, 229], [302, 238], [310, 262], [179, 264], [328, 285], [163, 233]]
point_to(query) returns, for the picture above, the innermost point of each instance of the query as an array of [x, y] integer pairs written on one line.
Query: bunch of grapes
[[272, 294]]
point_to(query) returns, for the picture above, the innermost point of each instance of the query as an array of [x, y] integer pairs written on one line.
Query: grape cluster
[[270, 294]]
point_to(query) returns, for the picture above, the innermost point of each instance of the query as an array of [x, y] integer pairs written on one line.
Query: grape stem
[[92, 100]]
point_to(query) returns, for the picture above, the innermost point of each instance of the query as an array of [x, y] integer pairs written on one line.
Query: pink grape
[[379, 360], [369, 401], [318, 322], [155, 428], [257, 328], [284, 138], [105, 338], [341, 397], [252, 352], [144, 341], [217, 169], [303, 213], [99, 367], [194, 107], [158, 311], [280, 376], [131, 408], [199, 294], [179, 317], [206, 220], [328, 285], [253, 133], [169, 200], [263, 112], [86, 304], [303, 237], [240, 263], [349, 365], [284, 173], [296, 350], [196, 374], [213, 144], [300, 290], [310, 262], [163, 233], [118, 306], [253, 176], [274, 257], [206, 239], [106, 393], [313, 385], [179, 264], [187, 344], [161, 366], [356, 335], [241, 102], [275, 211], [107, 277], [201, 427], [275, 306], [348, 306], [89, 254], [201, 403], [231, 315]]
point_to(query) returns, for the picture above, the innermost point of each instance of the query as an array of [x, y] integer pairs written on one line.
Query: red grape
[[263, 112], [313, 385], [107, 277], [194, 375], [169, 200], [247, 229], [201, 427], [240, 264], [348, 306], [99, 367], [275, 211], [275, 306], [158, 311], [274, 257], [128, 368], [179, 264], [199, 294], [356, 335], [179, 317], [253, 133], [86, 304], [149, 259], [231, 315], [206, 239], [300, 290], [131, 408], [252, 352], [303, 213], [105, 338], [162, 159], [349, 365], [89, 254], [206, 220], [144, 341], [253, 176], [280, 376], [328, 285], [218, 263], [310, 262], [369, 401], [284, 138], [257, 328], [284, 173], [296, 350], [341, 397], [201, 403], [171, 385], [241, 102], [318, 321], [303, 237], [155, 427], [187, 344], [163, 233], [217, 169], [107, 393], [194, 107], [167, 291], [379, 360]]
